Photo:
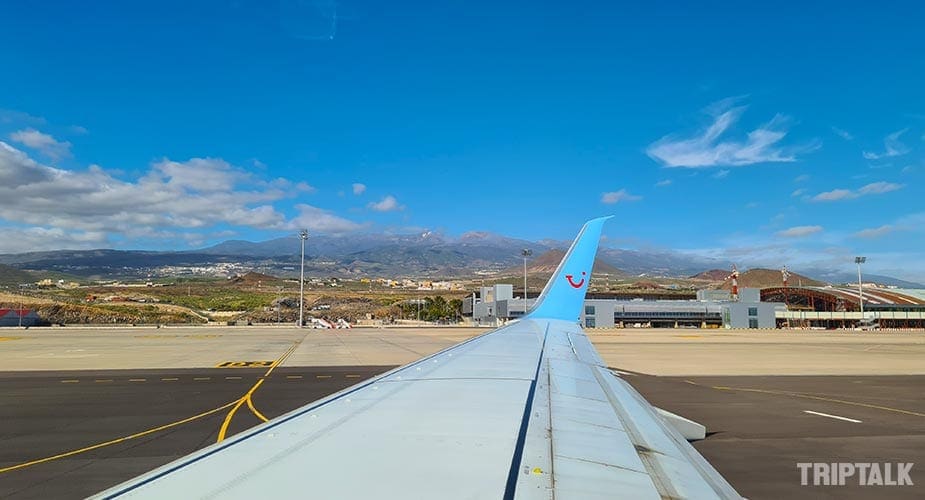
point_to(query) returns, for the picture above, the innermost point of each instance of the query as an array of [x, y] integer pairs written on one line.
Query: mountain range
[[427, 254]]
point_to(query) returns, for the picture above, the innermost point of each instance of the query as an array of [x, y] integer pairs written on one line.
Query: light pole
[[526, 252], [279, 303], [303, 235], [859, 261]]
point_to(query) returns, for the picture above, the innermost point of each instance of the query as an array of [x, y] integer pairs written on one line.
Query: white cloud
[[18, 240], [387, 204], [171, 196], [847, 194], [799, 231], [912, 222], [835, 195], [359, 188], [706, 149], [875, 232], [618, 196], [722, 174], [844, 134], [317, 219], [198, 174], [893, 147], [283, 184], [801, 178], [879, 188], [42, 142], [797, 192], [663, 183], [10, 116]]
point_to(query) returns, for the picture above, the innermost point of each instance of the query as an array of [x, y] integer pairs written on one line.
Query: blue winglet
[[564, 294]]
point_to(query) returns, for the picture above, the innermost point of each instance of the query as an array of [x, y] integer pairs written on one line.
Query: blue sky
[[777, 134]]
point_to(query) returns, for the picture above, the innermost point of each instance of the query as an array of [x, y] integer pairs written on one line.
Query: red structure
[[18, 317], [735, 282]]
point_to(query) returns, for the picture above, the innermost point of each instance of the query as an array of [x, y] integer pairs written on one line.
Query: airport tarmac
[[652, 351], [78, 417]]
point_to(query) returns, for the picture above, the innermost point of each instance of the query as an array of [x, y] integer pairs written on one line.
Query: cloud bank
[[169, 199]]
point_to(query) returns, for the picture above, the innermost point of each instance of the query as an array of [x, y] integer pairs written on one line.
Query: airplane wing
[[527, 411]]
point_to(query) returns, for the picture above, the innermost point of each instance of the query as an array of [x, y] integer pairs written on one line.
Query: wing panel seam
[[516, 460]]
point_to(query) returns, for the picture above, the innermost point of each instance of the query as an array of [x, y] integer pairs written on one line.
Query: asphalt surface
[[44, 414], [759, 428]]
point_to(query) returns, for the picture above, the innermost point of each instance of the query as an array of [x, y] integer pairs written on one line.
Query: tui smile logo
[[580, 282]]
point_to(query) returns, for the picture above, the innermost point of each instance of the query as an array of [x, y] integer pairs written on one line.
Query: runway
[[68, 434]]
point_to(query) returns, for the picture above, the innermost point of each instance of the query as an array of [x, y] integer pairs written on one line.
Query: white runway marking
[[846, 419]]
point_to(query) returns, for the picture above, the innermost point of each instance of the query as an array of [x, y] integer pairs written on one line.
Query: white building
[[712, 309]]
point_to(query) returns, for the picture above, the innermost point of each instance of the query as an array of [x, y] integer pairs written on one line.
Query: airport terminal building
[[496, 305], [841, 306]]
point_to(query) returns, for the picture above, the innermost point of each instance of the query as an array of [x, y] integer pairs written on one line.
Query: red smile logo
[[572, 283]]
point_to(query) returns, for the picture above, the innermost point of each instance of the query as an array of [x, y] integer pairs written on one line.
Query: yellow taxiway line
[[117, 440], [234, 405], [246, 399]]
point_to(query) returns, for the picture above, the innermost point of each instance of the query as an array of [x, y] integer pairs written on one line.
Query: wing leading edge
[[526, 411]]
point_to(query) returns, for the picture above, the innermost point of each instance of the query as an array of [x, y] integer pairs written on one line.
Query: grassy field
[[204, 300]]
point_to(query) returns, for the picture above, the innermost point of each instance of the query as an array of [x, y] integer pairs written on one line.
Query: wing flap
[[580, 480]]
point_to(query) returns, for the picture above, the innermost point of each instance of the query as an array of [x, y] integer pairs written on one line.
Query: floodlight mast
[[859, 261], [785, 274], [303, 235], [526, 252]]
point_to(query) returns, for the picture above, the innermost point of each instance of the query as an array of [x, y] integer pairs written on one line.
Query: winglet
[[564, 294]]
